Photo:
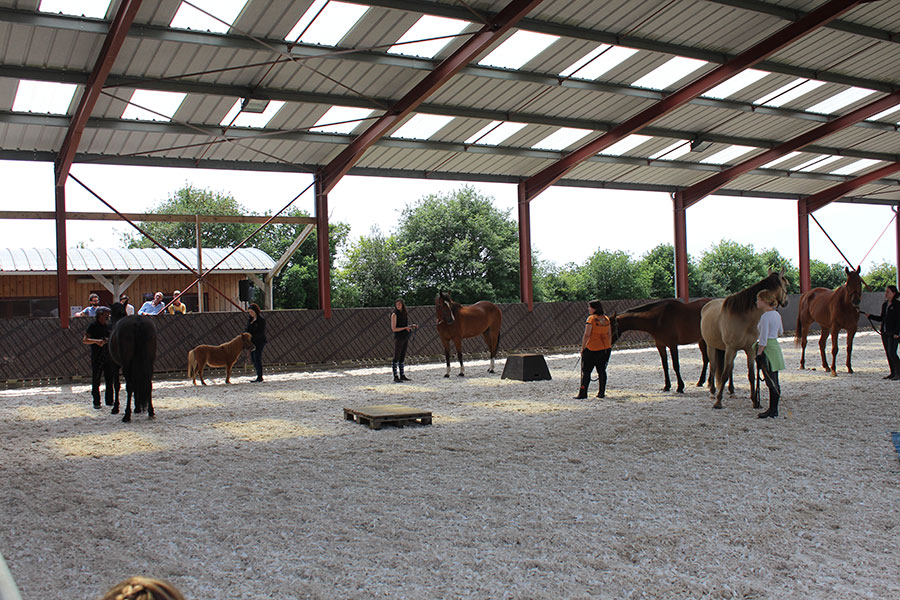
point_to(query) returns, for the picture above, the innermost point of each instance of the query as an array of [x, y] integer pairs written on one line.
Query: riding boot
[[582, 393], [394, 368], [772, 411], [403, 376]]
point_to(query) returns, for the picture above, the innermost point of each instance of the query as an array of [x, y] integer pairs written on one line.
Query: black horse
[[132, 346]]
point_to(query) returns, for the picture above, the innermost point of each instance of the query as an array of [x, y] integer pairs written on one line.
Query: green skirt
[[774, 355]]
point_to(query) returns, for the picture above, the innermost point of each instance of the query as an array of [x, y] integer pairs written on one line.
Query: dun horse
[[132, 346], [833, 310], [730, 324], [671, 322], [457, 322]]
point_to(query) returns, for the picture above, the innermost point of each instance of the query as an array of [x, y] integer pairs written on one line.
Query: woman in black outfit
[[402, 331], [890, 329], [256, 327]]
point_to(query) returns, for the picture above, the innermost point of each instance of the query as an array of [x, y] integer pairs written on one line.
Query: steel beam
[[803, 239], [825, 197], [470, 50], [62, 258], [682, 288], [831, 10], [323, 253], [526, 286], [118, 31], [709, 185]]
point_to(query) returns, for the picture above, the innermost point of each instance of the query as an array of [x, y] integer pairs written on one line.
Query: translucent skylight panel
[[672, 152], [518, 49], [884, 113], [494, 133], [859, 165], [82, 8], [188, 17], [326, 22], [422, 126], [790, 91], [733, 85], [426, 28], [561, 138], [668, 73], [816, 163], [622, 146], [597, 62], [153, 105], [43, 97], [236, 118], [838, 101], [782, 159], [341, 119], [727, 155]]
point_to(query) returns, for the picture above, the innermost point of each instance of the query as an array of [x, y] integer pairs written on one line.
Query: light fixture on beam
[[254, 105], [700, 145]]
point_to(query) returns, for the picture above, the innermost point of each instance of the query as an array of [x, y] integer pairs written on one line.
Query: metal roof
[[861, 48], [84, 261]]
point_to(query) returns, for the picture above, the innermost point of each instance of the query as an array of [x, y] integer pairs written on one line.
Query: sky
[[568, 224]]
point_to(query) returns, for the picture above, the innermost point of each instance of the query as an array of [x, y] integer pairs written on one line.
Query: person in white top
[[123, 300], [768, 353]]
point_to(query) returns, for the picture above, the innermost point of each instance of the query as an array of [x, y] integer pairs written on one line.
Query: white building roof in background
[[87, 261]]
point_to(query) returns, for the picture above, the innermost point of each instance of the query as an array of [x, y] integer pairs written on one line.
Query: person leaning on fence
[[768, 353], [596, 347], [890, 329], [177, 307], [143, 588], [91, 309], [256, 327], [97, 336], [153, 307], [123, 300], [402, 332]]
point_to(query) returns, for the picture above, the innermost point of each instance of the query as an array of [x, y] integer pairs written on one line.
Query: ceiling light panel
[[216, 16], [733, 85], [859, 165], [518, 49], [831, 105], [622, 146], [422, 126], [96, 9], [671, 71], [788, 92], [673, 151], [326, 23], [597, 62], [341, 119], [43, 97], [723, 157], [433, 31], [495, 133], [153, 105], [561, 138]]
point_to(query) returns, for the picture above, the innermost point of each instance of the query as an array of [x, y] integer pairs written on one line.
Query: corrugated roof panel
[[117, 260]]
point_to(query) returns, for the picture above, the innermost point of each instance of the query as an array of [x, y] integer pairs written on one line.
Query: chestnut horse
[[833, 310], [730, 324], [671, 322], [457, 322]]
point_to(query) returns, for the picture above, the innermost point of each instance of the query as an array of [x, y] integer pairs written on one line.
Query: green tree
[[553, 283], [880, 276], [772, 259], [657, 269], [826, 276], [459, 242], [610, 276], [373, 273], [727, 268]]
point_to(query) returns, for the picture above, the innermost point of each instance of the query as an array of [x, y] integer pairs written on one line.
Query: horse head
[[444, 306], [613, 328], [247, 342], [854, 286], [778, 283]]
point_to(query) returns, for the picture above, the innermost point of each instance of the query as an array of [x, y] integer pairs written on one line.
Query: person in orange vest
[[596, 346]]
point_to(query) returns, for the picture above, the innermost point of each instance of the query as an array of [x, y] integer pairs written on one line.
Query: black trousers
[[256, 357], [771, 378], [103, 367], [401, 343], [590, 360], [890, 350]]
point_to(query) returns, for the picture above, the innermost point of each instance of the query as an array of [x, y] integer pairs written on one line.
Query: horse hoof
[[490, 370], [718, 405], [834, 373], [462, 375], [126, 419], [666, 389], [447, 375], [680, 390], [114, 411]]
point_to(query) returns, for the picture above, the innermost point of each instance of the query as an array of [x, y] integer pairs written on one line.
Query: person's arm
[[89, 341], [586, 336], [394, 327], [763, 334]]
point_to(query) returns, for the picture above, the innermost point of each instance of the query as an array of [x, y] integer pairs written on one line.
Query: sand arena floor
[[516, 491]]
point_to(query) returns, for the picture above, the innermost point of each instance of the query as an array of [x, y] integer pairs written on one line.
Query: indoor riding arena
[[515, 490]]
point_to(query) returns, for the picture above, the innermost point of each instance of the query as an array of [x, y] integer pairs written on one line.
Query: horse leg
[[705, 357], [447, 356], [487, 338], [713, 370], [200, 367], [823, 340], [148, 394], [751, 375], [725, 369], [834, 349], [458, 343], [228, 372], [850, 334], [677, 367], [665, 366], [804, 330]]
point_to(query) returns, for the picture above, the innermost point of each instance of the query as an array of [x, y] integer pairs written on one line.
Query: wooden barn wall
[[44, 286], [39, 349]]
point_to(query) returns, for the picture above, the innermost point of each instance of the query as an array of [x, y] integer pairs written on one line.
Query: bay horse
[[833, 310], [671, 322], [730, 324], [132, 346], [456, 322]]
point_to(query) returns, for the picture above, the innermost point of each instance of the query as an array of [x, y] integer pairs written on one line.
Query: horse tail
[[192, 364], [142, 365]]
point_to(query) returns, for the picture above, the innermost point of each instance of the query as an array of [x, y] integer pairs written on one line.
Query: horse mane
[[745, 299], [645, 307]]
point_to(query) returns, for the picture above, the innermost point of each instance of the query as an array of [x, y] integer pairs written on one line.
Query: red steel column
[[323, 254], [897, 229], [62, 269], [803, 238], [681, 259], [526, 286]]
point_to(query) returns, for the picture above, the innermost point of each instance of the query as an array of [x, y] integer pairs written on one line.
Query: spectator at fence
[[129, 308], [91, 309], [153, 307], [177, 307]]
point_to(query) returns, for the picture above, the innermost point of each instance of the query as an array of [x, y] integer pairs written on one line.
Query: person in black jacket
[[890, 329], [402, 331], [256, 327], [97, 336]]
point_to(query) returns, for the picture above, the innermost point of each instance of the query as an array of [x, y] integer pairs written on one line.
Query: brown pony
[[671, 322], [456, 322], [730, 324], [833, 310], [224, 355]]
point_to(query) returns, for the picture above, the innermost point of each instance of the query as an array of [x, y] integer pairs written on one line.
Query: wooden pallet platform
[[391, 414]]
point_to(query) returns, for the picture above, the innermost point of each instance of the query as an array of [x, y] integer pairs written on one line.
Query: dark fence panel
[[38, 349]]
